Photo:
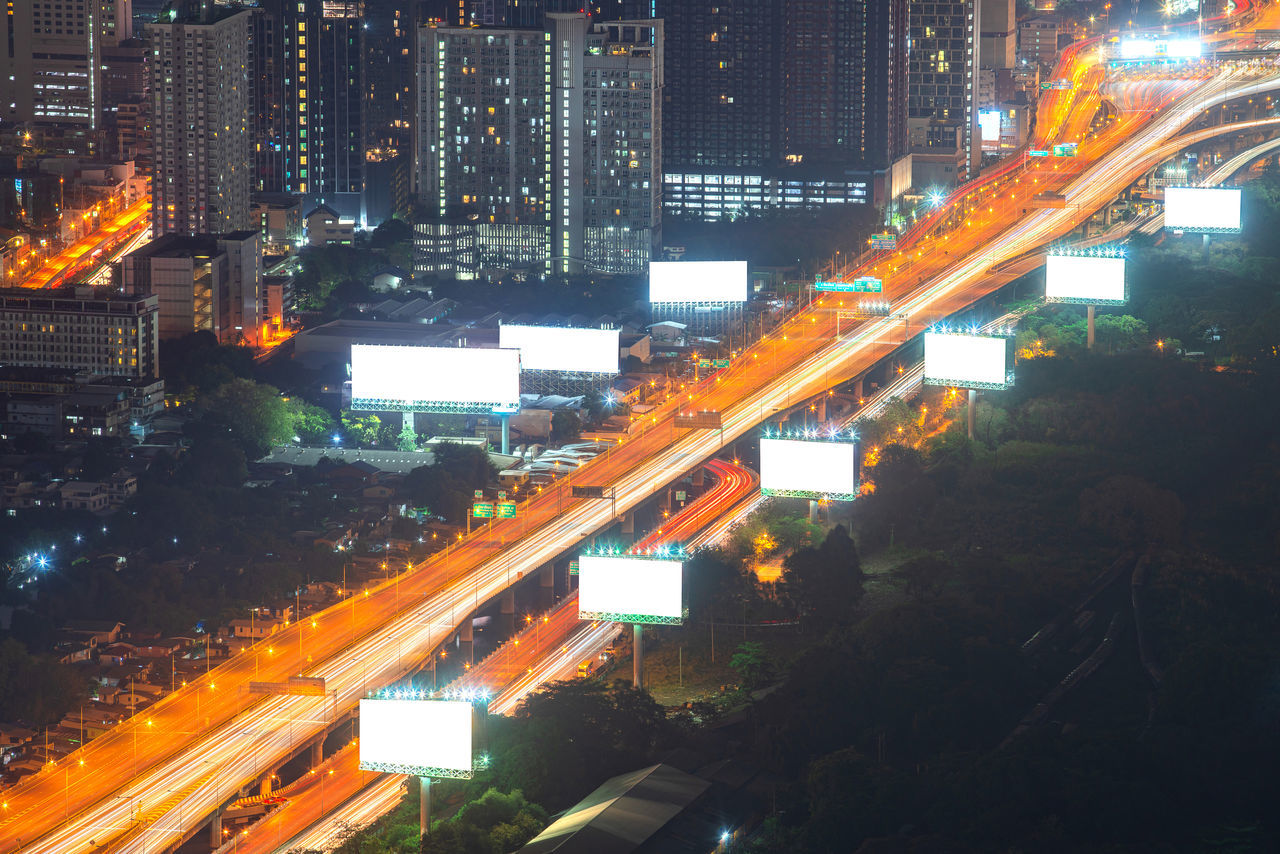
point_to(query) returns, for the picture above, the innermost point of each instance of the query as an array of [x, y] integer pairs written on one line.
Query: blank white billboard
[[1201, 209], [801, 468], [630, 589], [434, 379], [556, 348], [1084, 279], [427, 738], [698, 281], [989, 122], [967, 361]]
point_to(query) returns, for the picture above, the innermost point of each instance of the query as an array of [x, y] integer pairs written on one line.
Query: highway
[[548, 648], [90, 251], [144, 784]]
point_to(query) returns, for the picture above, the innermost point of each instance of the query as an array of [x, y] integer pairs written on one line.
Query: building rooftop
[[619, 816]]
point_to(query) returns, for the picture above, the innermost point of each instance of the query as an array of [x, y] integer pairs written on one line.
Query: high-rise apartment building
[[942, 77], [202, 282], [808, 96], [76, 329], [389, 74], [844, 82], [998, 44], [51, 56], [722, 105], [539, 146], [201, 116]]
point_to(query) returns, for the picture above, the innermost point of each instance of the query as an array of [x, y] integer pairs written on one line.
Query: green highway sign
[[860, 285], [704, 363], [681, 495], [573, 567], [482, 510], [720, 363], [888, 240], [479, 493], [506, 509]]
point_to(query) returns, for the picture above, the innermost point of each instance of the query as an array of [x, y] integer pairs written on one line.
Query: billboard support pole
[[1092, 328], [813, 511], [424, 806], [505, 418], [637, 655], [973, 405]]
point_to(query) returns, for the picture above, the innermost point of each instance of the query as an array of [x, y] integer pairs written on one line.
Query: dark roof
[[619, 816], [322, 209]]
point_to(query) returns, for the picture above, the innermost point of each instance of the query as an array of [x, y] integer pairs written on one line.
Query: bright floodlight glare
[[1202, 209], [803, 468], [632, 589], [968, 361], [1084, 279], [433, 378], [555, 348], [423, 737], [698, 281], [936, 198]]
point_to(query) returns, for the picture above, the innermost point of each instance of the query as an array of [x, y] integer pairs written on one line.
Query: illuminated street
[[141, 785], [94, 248]]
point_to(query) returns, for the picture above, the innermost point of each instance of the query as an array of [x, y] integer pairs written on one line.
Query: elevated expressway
[[155, 779]]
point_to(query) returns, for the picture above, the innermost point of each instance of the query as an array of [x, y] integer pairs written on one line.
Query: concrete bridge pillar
[[215, 829], [546, 585], [466, 641], [699, 476], [822, 409], [507, 612], [629, 526], [317, 752]]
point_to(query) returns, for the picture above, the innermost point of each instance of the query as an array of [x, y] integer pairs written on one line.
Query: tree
[[825, 581], [36, 689], [408, 440], [361, 429], [565, 425], [1119, 332], [255, 415], [446, 486], [311, 424], [752, 664]]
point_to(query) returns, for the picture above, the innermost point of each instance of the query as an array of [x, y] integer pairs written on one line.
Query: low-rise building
[[80, 329], [324, 225]]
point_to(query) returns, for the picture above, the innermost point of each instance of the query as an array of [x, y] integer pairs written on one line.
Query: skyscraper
[[785, 103], [942, 81], [201, 116], [51, 54], [998, 45], [539, 146]]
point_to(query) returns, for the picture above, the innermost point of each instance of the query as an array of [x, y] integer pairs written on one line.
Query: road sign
[[502, 495], [699, 420], [1036, 152], [860, 285], [888, 240], [588, 492], [704, 363], [681, 495], [482, 510], [573, 567], [719, 363], [479, 493], [506, 509], [1066, 149], [304, 686]]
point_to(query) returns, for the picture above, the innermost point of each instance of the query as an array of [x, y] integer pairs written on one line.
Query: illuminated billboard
[[1087, 279], [1202, 209], [699, 282], [567, 350], [426, 738], [989, 123], [965, 360], [631, 589], [434, 379], [809, 468]]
